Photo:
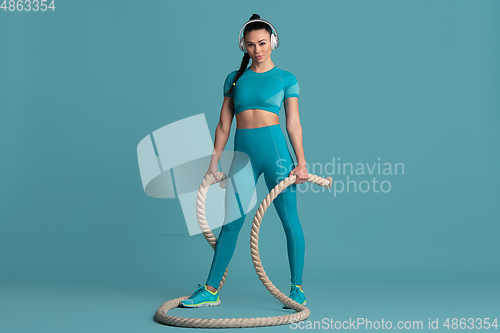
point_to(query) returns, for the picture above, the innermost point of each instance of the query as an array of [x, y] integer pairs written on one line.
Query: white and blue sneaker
[[297, 295], [201, 297]]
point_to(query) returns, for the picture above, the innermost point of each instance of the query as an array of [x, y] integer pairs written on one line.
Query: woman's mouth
[[258, 57]]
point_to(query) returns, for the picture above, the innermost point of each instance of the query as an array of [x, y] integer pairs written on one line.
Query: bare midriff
[[253, 118]]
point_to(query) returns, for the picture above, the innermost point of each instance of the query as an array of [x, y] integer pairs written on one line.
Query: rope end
[[330, 182]]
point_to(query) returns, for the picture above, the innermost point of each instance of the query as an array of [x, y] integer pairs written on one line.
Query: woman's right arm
[[222, 132]]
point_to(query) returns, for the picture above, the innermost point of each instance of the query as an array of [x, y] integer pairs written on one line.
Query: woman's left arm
[[294, 130]]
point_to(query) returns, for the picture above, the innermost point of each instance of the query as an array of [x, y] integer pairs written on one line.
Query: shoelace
[[294, 293], [199, 290]]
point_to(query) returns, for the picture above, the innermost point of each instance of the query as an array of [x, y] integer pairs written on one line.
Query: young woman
[[256, 94]]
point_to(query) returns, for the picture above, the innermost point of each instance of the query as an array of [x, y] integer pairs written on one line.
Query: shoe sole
[[286, 307], [200, 305]]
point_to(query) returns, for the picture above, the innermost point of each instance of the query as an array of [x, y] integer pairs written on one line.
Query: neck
[[262, 67]]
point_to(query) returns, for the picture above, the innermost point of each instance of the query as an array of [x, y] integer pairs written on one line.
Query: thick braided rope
[[302, 312]]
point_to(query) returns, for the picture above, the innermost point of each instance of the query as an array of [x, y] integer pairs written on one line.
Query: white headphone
[[275, 41]]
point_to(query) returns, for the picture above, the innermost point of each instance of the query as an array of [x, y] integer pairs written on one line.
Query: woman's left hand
[[301, 172]]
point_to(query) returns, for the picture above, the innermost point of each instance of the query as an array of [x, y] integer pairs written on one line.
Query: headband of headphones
[[275, 41]]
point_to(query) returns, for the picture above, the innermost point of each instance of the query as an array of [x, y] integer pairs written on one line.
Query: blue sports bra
[[265, 91]]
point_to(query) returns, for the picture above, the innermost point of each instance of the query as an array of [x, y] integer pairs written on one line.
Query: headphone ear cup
[[242, 45], [273, 41]]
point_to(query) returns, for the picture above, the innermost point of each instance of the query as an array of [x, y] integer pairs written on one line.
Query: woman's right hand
[[213, 170]]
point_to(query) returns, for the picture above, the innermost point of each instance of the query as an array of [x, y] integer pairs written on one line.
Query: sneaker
[[297, 295], [201, 297]]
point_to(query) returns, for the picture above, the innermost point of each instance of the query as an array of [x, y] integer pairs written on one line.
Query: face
[[258, 44]]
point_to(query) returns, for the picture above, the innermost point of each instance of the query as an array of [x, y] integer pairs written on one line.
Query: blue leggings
[[258, 150]]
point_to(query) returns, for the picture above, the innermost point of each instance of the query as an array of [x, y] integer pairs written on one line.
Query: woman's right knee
[[233, 226]]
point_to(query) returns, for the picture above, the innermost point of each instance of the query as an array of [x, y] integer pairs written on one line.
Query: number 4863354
[[27, 5]]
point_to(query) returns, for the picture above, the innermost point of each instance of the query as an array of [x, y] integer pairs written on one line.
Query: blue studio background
[[83, 248]]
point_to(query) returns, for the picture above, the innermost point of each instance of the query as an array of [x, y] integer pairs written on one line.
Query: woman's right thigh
[[241, 194]]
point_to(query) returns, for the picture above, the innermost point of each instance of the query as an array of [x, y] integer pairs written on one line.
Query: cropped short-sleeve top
[[265, 91]]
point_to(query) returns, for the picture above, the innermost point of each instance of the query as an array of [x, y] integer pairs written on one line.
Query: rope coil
[[302, 312]]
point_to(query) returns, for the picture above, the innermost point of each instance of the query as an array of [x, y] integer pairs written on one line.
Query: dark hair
[[246, 58]]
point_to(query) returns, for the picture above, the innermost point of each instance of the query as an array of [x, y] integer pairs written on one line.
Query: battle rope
[[302, 312]]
